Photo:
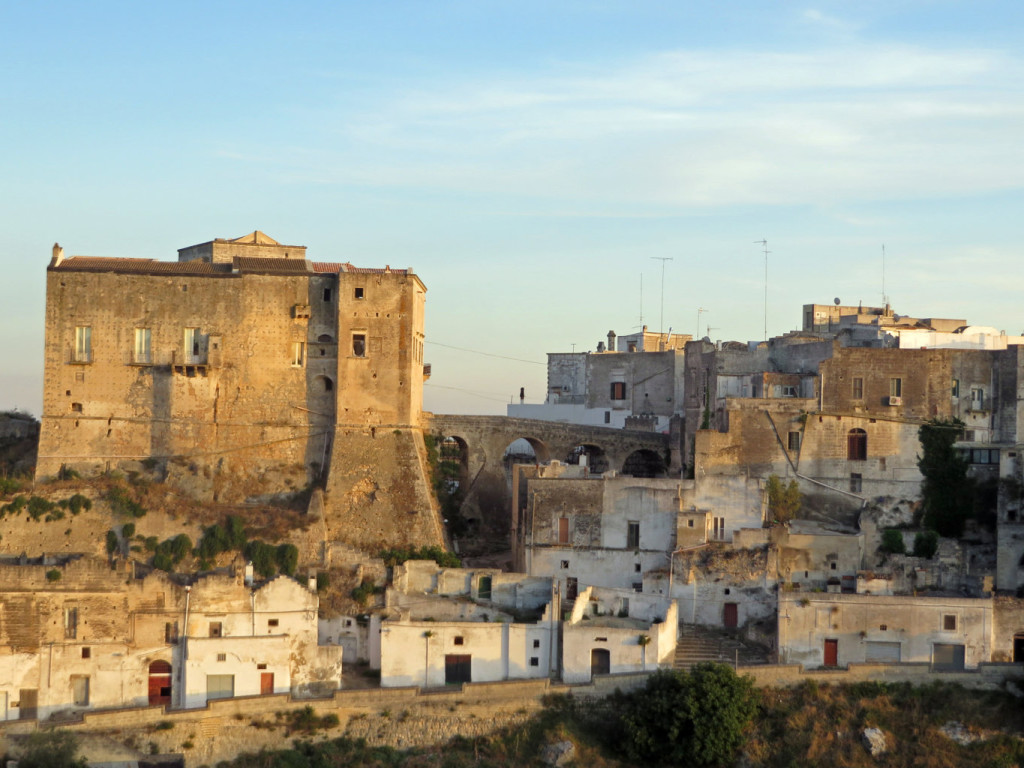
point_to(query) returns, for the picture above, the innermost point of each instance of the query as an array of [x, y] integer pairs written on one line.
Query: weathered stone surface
[[874, 741], [558, 754]]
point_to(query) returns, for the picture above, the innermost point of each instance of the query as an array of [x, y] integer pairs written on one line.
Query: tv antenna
[[885, 299], [764, 244], [700, 311], [662, 259]]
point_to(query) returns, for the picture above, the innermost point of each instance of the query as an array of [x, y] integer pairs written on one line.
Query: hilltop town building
[[242, 370]]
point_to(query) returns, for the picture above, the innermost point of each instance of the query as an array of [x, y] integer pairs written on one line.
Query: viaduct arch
[[483, 440]]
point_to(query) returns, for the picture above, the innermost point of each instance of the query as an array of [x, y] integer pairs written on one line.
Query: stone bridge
[[483, 449]]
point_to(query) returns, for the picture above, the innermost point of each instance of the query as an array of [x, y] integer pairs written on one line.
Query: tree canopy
[[694, 718], [946, 491]]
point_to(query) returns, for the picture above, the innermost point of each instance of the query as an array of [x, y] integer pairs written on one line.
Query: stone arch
[[644, 463], [534, 451], [592, 455], [325, 382], [325, 338]]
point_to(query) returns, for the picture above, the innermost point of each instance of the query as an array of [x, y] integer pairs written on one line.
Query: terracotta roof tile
[[272, 266], [140, 266]]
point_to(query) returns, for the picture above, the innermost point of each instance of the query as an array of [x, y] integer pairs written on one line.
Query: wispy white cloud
[[699, 128]]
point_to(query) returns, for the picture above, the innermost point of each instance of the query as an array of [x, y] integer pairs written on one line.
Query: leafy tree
[[892, 542], [695, 718], [947, 491], [287, 558], [51, 749], [926, 544], [263, 557], [784, 500]]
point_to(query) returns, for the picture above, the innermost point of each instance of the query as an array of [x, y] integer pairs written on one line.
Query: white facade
[[617, 631], [835, 630]]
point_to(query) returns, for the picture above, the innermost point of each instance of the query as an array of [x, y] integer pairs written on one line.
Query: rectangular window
[[327, 294], [536, 643], [895, 387], [788, 390], [858, 388], [633, 534], [86, 652], [794, 441], [534, 661], [618, 390], [359, 345], [83, 344], [70, 623], [563, 530], [856, 482], [222, 657], [171, 632], [956, 387], [80, 690], [271, 623], [607, 417], [359, 293], [141, 354], [565, 565], [719, 528], [460, 640], [216, 629], [638, 586], [298, 354], [949, 622]]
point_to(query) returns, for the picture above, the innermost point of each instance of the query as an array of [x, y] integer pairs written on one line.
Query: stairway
[[697, 644]]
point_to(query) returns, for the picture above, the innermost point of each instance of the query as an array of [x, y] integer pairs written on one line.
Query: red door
[[831, 653], [160, 682], [731, 615], [266, 683]]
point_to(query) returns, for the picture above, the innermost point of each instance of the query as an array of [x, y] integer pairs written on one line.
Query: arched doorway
[[160, 683], [644, 463], [600, 662]]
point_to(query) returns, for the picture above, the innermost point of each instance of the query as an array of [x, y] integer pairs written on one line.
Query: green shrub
[[695, 718], [399, 555], [926, 544], [9, 485], [122, 503], [79, 503], [263, 557], [287, 558], [128, 530], [53, 575], [52, 749], [111, 542], [892, 542], [323, 581]]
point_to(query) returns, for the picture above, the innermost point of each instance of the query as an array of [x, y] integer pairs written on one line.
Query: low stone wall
[[408, 717]]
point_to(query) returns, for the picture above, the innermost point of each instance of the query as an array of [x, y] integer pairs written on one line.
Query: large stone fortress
[[241, 370]]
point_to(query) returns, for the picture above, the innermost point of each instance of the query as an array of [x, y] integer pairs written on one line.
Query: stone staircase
[[697, 644]]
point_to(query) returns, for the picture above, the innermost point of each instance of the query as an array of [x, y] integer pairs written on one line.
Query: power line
[[485, 354], [502, 399]]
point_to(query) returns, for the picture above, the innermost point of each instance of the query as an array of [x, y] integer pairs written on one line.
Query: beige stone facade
[[241, 371]]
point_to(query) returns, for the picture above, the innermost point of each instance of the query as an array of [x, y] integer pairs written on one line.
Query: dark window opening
[[858, 388], [216, 629], [327, 294], [87, 653], [359, 345], [534, 661], [536, 643], [794, 441], [460, 640], [856, 482], [633, 535], [359, 293], [618, 390]]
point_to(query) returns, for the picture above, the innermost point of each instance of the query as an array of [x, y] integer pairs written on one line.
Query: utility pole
[[764, 243], [662, 259]]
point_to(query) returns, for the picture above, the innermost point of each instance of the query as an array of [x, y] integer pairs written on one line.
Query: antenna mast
[[764, 244], [662, 259], [885, 299]]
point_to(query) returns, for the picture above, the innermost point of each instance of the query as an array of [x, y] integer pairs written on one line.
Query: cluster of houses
[[289, 372]]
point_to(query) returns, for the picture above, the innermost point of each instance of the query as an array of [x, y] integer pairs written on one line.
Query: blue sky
[[531, 161]]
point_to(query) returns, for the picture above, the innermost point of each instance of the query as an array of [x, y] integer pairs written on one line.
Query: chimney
[[600, 346], [58, 255], [611, 341], [248, 574]]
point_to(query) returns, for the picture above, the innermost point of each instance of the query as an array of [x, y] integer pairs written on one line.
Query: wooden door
[[458, 668], [159, 683], [600, 661], [831, 653], [266, 683], [731, 615], [28, 703]]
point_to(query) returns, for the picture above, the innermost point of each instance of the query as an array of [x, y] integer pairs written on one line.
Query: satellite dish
[[836, 300]]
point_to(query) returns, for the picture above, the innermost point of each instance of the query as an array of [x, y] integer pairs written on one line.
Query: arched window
[[325, 338], [857, 445]]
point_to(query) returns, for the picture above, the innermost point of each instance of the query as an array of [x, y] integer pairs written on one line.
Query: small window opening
[[359, 345], [359, 293], [327, 294], [460, 640], [216, 629], [534, 661], [87, 653]]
